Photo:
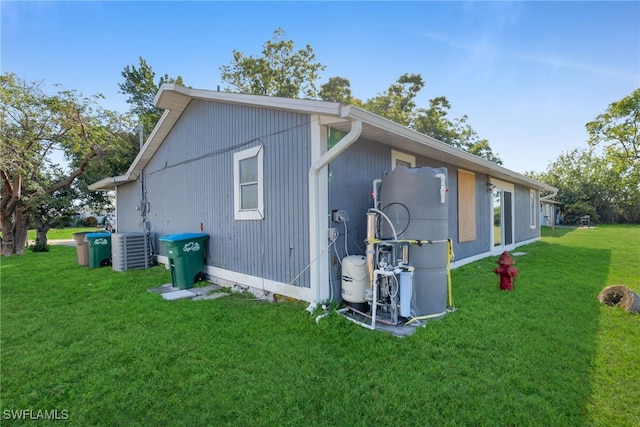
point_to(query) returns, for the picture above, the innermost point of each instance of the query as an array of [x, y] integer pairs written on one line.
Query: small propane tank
[[354, 278]]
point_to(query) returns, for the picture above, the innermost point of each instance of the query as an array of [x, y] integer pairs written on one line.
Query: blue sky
[[529, 75]]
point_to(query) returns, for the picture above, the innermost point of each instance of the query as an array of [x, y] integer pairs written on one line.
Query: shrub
[[573, 213], [91, 221], [39, 248]]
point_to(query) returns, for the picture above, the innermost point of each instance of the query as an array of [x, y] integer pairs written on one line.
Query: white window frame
[[533, 207], [403, 157], [248, 214]]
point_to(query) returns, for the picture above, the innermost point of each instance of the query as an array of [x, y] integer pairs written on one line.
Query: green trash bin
[[186, 253], [99, 249]]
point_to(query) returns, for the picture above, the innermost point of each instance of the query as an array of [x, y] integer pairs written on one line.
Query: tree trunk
[[622, 297], [10, 199], [21, 223], [42, 228], [7, 236]]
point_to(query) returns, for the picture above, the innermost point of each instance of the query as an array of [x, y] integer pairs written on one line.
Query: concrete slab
[[178, 295], [65, 242], [205, 289], [210, 296], [163, 289]]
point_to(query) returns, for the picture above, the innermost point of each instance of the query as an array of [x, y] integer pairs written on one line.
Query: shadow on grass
[[560, 231], [539, 340]]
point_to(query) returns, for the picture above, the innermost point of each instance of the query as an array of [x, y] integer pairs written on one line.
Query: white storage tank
[[354, 278]]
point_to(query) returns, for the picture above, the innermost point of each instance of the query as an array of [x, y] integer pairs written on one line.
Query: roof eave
[[108, 184], [460, 157]]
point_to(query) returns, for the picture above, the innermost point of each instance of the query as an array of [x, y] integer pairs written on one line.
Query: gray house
[[274, 181]]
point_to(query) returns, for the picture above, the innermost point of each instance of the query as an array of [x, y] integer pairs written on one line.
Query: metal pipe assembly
[[407, 252]]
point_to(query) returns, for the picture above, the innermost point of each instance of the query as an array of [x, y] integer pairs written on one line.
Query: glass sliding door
[[497, 217], [502, 204], [507, 218]]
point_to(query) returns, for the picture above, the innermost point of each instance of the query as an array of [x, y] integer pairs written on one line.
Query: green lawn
[[95, 343], [62, 233]]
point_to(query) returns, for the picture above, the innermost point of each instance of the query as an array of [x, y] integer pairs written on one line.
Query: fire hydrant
[[506, 272]]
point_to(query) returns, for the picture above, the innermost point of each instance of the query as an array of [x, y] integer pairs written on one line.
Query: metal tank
[[354, 278], [415, 200]]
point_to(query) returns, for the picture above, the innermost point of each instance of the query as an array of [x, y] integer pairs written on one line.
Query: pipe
[[343, 144], [395, 234], [371, 252], [341, 310], [316, 213], [443, 187], [374, 305], [376, 185]]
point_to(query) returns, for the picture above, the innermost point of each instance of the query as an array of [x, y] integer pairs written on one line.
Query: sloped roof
[[174, 100]]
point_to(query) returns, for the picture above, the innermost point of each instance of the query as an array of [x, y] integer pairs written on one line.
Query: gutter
[[109, 183], [318, 204], [548, 197]]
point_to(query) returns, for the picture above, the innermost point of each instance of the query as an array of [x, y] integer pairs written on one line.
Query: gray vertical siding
[[484, 211], [190, 188], [128, 197], [522, 220], [350, 185], [189, 184], [351, 177]]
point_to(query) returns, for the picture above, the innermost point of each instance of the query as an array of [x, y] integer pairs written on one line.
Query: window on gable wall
[[248, 200], [399, 159], [532, 208], [333, 136]]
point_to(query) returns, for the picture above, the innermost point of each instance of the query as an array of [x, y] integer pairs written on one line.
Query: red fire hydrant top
[[506, 273]]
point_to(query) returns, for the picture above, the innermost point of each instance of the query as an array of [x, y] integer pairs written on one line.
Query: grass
[[61, 233], [95, 343]]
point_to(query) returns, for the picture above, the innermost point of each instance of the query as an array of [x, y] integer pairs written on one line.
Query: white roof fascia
[[159, 133], [164, 125], [175, 98], [307, 106], [109, 183], [481, 165]]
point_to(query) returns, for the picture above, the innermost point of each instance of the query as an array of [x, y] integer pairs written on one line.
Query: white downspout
[[318, 204]]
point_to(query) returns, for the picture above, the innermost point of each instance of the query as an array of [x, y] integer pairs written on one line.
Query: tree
[[603, 183], [338, 89], [468, 140], [52, 208], [113, 165], [434, 121], [280, 71], [599, 186], [33, 125], [140, 85], [618, 128], [397, 103]]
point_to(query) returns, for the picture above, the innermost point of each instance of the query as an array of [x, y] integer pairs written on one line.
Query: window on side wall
[[399, 159], [248, 200], [532, 208]]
